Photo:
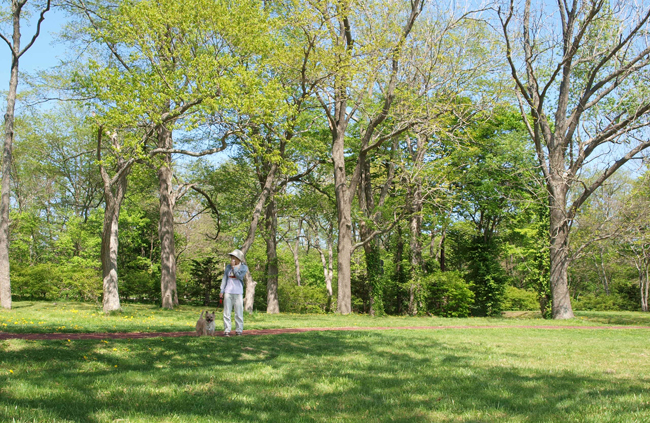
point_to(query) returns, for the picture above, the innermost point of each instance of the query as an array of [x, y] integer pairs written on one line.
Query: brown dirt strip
[[140, 335]]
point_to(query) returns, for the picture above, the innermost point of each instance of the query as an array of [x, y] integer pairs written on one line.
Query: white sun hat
[[238, 254]]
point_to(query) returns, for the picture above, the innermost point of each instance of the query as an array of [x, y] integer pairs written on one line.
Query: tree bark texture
[[344, 214], [328, 269], [7, 151], [169, 295], [267, 189], [109, 248], [5, 280], [295, 251], [399, 271], [272, 300], [371, 247], [559, 253], [114, 191]]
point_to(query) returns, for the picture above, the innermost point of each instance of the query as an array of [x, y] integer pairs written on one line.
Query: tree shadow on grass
[[316, 376]]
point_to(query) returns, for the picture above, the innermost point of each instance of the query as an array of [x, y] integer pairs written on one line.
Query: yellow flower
[[11, 371]]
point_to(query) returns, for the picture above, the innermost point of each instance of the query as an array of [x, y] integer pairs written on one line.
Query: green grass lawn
[[472, 374], [62, 317]]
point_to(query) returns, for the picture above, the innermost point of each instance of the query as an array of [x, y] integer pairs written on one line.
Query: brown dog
[[205, 326]]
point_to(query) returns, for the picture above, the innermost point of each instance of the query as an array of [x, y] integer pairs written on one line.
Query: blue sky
[[45, 52]]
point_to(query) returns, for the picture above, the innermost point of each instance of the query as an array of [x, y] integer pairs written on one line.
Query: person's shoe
[[227, 334], [238, 333]]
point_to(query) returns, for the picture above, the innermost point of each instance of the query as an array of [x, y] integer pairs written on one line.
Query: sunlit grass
[[64, 317], [456, 375]]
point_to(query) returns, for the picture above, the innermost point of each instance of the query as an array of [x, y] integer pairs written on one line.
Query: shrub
[[487, 278], [628, 294], [517, 299], [447, 294], [302, 299], [77, 279], [39, 281], [592, 302], [81, 280]]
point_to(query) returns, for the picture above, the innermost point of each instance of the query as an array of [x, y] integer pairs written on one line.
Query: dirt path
[[138, 335]]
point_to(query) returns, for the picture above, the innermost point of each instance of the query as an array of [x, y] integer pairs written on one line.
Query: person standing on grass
[[232, 292]]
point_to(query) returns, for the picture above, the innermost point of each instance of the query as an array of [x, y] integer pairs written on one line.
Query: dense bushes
[[623, 296], [517, 299], [77, 279], [447, 294], [302, 299]]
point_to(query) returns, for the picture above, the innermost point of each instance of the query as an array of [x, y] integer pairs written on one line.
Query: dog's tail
[[201, 316]]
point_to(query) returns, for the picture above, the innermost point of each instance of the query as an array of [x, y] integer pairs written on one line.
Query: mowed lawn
[[469, 374]]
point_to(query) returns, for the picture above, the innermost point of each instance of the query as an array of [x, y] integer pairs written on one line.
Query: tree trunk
[[344, 210], [7, 151], [114, 191], [272, 301], [415, 227], [328, 270], [166, 224], [443, 256], [295, 251], [5, 281], [559, 254], [644, 292], [249, 300], [109, 248], [399, 252], [642, 289]]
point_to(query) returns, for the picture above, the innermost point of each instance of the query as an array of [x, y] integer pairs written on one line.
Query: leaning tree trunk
[[559, 254], [109, 248], [249, 300], [272, 300], [114, 191], [166, 224]]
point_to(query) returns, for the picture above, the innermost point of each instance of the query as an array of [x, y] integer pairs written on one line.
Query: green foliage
[[517, 299], [76, 279], [593, 302], [206, 280], [625, 296], [302, 299], [447, 294], [483, 273]]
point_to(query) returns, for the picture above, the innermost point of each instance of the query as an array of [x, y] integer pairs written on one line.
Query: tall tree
[[114, 192], [13, 42], [172, 67], [356, 69], [577, 70]]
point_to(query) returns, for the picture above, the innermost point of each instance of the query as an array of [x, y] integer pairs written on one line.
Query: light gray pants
[[230, 300]]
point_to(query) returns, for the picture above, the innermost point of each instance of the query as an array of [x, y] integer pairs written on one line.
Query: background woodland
[[380, 157]]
